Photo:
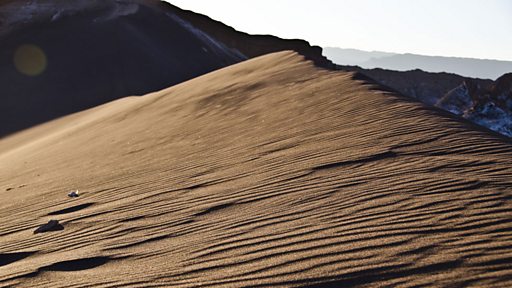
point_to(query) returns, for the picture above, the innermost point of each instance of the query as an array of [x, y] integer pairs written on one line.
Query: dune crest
[[61, 57], [268, 173]]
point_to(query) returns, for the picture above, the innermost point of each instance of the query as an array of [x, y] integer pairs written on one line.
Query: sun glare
[[30, 60]]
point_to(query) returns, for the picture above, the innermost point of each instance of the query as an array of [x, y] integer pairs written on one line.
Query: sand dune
[[59, 57], [268, 173]]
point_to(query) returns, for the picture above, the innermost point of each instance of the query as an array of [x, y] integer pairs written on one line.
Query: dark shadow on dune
[[8, 258], [134, 218], [154, 239], [500, 261], [77, 265], [370, 276], [71, 209], [214, 208], [371, 158], [376, 86], [64, 266]]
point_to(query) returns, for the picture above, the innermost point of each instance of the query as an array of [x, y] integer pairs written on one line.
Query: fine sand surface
[[89, 52], [267, 173]]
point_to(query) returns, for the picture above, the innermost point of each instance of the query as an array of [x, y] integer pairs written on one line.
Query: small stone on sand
[[73, 194]]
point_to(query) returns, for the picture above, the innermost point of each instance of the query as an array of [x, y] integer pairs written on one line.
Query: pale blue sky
[[463, 28]]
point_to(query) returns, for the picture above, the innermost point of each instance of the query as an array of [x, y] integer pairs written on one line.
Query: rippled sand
[[268, 173]]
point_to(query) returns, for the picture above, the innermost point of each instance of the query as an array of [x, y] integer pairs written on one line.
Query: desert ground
[[267, 173]]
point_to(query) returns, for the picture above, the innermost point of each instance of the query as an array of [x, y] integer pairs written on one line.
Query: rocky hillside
[[251, 45], [484, 102], [491, 107]]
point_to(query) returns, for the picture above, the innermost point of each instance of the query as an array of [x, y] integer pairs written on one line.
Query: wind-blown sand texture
[[268, 173], [59, 57]]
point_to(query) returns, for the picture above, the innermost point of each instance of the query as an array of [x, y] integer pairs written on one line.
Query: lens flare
[[30, 60]]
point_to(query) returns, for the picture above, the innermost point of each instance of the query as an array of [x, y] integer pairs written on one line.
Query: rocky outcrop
[[501, 91], [493, 107], [484, 102], [427, 87], [251, 45], [463, 97], [457, 100]]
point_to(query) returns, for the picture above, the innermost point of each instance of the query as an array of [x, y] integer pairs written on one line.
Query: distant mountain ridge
[[469, 67], [461, 86]]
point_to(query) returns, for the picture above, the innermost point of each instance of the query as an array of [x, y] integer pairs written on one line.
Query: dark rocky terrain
[[484, 102]]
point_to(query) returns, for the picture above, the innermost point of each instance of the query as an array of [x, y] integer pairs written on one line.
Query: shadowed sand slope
[[62, 57], [266, 173], [59, 57]]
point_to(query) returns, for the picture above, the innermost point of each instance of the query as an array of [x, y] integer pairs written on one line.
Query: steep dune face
[[268, 173], [59, 57], [56, 59]]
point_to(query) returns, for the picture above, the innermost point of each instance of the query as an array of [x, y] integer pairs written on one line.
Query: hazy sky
[[464, 28]]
